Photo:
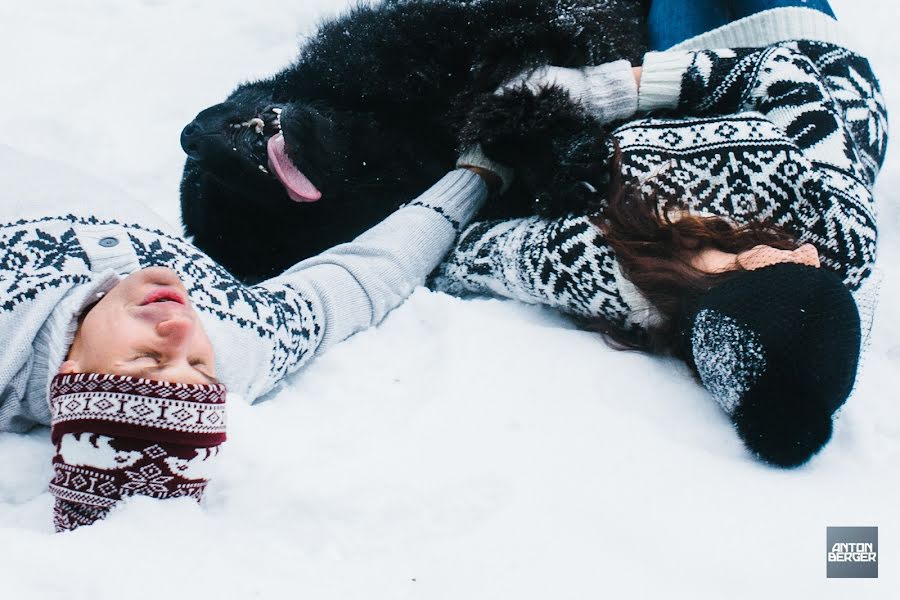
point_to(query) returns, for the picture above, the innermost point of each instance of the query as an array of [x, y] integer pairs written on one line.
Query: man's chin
[[163, 276]]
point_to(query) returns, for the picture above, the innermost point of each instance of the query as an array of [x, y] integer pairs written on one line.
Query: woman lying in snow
[[128, 329], [740, 214]]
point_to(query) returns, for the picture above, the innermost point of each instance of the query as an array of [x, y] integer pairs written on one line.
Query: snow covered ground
[[463, 449]]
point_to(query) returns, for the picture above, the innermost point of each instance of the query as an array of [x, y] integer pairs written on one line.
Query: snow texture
[[729, 358], [462, 450]]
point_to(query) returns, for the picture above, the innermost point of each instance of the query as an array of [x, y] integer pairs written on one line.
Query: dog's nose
[[190, 141], [208, 129]]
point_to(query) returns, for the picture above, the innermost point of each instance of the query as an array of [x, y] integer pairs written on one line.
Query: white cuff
[[612, 92], [475, 157], [661, 77]]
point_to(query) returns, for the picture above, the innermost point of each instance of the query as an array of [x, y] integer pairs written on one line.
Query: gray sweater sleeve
[[358, 283], [329, 297]]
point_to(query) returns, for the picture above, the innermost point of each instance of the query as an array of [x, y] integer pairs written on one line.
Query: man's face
[[144, 327]]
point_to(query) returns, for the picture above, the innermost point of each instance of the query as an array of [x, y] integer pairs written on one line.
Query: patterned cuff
[[457, 197]]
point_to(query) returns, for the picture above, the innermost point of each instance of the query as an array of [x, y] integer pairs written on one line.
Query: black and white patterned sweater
[[64, 238], [794, 132]]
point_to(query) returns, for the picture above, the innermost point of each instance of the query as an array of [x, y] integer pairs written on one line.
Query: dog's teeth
[[276, 110], [256, 123], [235, 149], [263, 169]]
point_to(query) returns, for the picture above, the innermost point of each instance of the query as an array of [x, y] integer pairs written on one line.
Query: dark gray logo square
[[852, 551]]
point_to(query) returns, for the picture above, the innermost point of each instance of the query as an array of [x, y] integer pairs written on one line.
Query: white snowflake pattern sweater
[[64, 238], [783, 123]]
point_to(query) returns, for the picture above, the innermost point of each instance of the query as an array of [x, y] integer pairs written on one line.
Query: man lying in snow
[[133, 334]]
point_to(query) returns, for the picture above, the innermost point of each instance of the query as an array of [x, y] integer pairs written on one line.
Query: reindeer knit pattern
[[117, 437], [793, 133]]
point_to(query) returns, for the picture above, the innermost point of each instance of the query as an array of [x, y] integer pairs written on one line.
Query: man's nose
[[175, 332]]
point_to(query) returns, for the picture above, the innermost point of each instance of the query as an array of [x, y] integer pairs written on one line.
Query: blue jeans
[[673, 21]]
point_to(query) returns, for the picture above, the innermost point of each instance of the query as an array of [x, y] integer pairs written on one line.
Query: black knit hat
[[778, 347]]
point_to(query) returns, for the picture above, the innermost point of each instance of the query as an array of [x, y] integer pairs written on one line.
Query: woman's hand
[[609, 92]]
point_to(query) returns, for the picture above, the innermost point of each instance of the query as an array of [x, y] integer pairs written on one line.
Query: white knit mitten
[[609, 91], [475, 157]]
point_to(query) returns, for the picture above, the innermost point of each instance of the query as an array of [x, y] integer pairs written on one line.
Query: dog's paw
[[515, 126], [558, 151], [561, 196]]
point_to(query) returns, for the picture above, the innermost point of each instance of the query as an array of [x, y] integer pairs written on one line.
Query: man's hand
[[497, 177], [492, 180]]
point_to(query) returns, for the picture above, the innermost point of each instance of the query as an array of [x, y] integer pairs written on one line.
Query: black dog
[[374, 111]]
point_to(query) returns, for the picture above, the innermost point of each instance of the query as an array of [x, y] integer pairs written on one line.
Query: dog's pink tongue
[[298, 186]]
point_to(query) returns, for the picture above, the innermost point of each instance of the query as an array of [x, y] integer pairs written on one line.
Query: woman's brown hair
[[654, 239]]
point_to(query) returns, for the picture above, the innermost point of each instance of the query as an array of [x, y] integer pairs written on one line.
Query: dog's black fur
[[376, 108]]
